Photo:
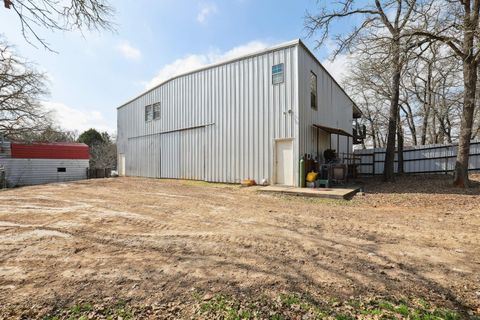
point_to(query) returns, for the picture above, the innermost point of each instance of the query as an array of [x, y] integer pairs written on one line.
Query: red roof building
[[49, 151], [38, 163]]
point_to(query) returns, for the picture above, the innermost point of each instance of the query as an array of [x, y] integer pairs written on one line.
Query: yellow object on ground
[[312, 176], [248, 182]]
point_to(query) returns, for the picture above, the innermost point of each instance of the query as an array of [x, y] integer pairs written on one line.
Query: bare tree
[[373, 117], [103, 154], [368, 83], [51, 133], [430, 91], [21, 88], [430, 94], [59, 15], [382, 30], [457, 25]]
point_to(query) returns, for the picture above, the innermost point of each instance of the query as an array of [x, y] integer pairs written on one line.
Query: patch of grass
[[217, 303], [284, 306], [402, 309], [226, 309], [289, 299], [295, 306], [385, 305], [446, 314], [424, 304], [120, 309], [416, 310], [80, 308], [197, 295], [84, 311]]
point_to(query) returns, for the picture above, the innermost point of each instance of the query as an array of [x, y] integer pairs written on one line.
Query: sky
[[93, 73]]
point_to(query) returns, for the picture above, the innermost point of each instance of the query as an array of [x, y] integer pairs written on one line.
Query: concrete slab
[[329, 193]]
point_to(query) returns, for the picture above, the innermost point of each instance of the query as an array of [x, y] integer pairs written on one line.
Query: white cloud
[[70, 118], [206, 10], [338, 68], [242, 50], [129, 52], [195, 61]]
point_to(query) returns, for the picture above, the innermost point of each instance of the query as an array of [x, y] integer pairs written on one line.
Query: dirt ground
[[161, 242]]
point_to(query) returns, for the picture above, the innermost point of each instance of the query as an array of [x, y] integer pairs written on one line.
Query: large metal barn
[[248, 118]]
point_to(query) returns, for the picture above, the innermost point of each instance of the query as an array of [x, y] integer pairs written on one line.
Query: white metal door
[[121, 164], [284, 162]]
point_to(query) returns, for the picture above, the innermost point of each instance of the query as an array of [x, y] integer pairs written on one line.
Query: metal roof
[[49, 151], [297, 42], [254, 54], [333, 130]]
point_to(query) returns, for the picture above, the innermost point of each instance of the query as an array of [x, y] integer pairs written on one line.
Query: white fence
[[434, 158]]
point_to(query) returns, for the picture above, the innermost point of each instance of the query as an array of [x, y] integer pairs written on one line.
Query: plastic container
[[312, 176]]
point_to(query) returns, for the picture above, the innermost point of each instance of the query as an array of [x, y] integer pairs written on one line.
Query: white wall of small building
[[217, 124], [22, 172]]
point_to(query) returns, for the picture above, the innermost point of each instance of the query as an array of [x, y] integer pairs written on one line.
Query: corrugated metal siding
[[50, 151], [20, 172], [432, 158], [235, 114], [335, 109]]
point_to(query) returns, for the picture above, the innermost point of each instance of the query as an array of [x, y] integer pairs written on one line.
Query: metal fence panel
[[435, 158]]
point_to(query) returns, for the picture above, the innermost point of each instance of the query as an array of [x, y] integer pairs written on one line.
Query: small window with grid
[[278, 74], [148, 113], [156, 111]]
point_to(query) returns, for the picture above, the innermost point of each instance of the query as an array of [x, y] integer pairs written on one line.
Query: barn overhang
[[336, 131], [331, 130]]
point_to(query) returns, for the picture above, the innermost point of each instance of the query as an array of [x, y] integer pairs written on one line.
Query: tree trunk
[[389, 168], [470, 69], [407, 109], [373, 134], [400, 143], [433, 131], [427, 105], [412, 127], [460, 178]]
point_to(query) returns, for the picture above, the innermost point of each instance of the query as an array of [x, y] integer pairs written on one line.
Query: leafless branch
[[60, 15]]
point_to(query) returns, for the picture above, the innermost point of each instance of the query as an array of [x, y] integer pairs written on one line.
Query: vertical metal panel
[[240, 110], [20, 172], [170, 155]]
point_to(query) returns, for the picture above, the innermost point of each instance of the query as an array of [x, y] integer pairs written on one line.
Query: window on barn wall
[[148, 113], [278, 74], [156, 110], [313, 91]]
